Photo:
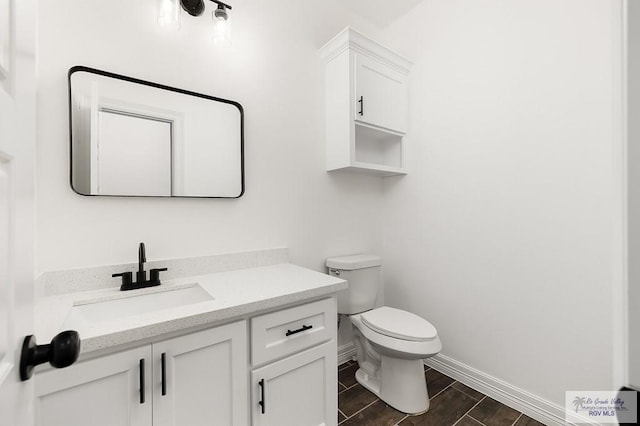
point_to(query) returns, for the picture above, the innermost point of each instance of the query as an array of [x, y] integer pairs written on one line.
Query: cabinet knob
[[61, 352]]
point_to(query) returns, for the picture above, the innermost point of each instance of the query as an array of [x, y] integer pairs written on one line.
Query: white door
[[381, 95], [113, 390], [17, 202], [201, 379], [134, 155], [297, 391]]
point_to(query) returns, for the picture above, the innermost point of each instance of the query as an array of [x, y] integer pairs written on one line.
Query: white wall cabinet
[[202, 378], [366, 99], [200, 385], [381, 95]]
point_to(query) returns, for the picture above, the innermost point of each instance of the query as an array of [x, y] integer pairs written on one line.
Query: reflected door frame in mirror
[[135, 138]]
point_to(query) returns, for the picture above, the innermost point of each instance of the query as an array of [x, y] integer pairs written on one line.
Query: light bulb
[[221, 26], [169, 13]]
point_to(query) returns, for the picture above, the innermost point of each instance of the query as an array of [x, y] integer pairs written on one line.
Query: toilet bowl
[[390, 343]]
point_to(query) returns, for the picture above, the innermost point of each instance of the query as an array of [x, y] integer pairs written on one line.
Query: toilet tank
[[362, 271]]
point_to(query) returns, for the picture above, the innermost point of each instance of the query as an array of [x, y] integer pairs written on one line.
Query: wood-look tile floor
[[452, 403]]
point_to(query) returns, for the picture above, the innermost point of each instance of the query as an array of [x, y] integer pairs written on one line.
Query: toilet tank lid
[[357, 261]]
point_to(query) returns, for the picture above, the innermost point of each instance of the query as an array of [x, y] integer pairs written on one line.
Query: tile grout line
[[363, 408], [343, 415], [472, 419], [516, 420], [466, 393], [347, 388], [442, 390], [402, 420], [471, 409]]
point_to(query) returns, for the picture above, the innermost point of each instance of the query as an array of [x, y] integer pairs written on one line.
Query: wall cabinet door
[[113, 390], [201, 378], [297, 391], [381, 95]]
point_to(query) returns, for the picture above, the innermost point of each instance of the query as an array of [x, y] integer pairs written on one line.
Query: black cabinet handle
[[61, 352], [300, 330], [142, 381], [261, 402], [163, 359], [361, 102]]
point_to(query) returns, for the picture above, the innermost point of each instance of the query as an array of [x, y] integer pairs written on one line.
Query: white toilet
[[390, 343]]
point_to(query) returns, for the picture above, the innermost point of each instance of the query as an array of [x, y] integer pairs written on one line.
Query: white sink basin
[[99, 310]]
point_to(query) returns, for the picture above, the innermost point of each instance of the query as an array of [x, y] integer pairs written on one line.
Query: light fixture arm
[[196, 7], [222, 5]]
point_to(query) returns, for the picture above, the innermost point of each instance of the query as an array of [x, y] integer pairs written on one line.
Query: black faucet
[[141, 275]]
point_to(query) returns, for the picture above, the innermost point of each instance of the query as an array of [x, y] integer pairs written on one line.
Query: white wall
[[501, 234], [272, 69]]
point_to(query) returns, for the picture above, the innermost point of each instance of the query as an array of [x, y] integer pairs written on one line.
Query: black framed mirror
[[135, 138]]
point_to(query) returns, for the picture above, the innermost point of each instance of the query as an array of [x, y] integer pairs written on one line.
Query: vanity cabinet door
[[297, 391], [201, 378], [381, 95], [113, 390]]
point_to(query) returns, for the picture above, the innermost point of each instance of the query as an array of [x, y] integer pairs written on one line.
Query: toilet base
[[401, 384]]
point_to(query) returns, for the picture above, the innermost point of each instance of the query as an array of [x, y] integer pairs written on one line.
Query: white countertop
[[235, 294]]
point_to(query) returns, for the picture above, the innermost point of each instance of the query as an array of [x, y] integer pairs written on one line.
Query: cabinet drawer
[[281, 333]]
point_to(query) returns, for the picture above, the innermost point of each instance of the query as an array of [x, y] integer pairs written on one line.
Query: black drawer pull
[[361, 102], [163, 358], [300, 330], [261, 402], [142, 381]]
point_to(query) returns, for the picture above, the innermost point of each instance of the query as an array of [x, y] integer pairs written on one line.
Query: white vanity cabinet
[[283, 373], [102, 391], [366, 97], [297, 386], [196, 379], [297, 391], [204, 378]]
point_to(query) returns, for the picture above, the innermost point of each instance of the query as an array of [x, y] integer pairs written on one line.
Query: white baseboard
[[346, 353], [532, 405]]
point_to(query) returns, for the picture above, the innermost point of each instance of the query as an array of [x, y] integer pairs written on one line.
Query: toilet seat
[[399, 324]]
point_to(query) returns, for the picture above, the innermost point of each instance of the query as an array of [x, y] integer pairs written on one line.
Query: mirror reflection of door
[[133, 155], [135, 138]]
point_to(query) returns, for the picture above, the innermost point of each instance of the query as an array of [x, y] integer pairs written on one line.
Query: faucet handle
[[155, 274], [127, 278]]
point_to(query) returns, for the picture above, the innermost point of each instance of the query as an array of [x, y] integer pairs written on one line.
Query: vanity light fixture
[[221, 24], [169, 16]]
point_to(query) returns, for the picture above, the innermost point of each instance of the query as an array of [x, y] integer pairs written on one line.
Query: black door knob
[[61, 352]]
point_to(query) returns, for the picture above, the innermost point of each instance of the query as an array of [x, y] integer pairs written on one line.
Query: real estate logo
[[598, 407]]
